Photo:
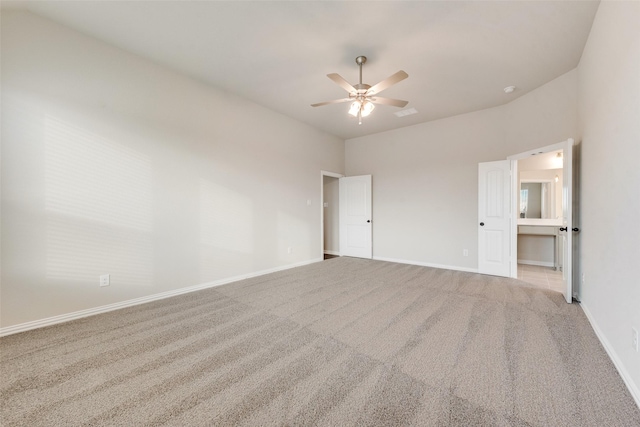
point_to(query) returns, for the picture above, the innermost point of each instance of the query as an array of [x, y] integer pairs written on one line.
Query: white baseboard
[[426, 264], [631, 385], [336, 253], [539, 263], [27, 326]]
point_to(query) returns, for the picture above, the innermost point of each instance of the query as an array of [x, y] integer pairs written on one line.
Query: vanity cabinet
[[546, 230]]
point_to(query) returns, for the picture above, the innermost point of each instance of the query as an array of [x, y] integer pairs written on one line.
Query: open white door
[[355, 216], [566, 233], [494, 219]]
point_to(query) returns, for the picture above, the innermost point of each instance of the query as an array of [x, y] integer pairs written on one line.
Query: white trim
[[513, 247], [546, 149], [332, 174], [336, 253], [626, 377], [539, 263], [35, 324], [426, 264]]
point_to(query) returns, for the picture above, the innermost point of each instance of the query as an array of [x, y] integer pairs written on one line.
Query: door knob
[[368, 220], [482, 224], [576, 229], [563, 228]]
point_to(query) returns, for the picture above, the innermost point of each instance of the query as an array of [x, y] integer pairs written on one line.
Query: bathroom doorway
[[542, 230], [330, 218]]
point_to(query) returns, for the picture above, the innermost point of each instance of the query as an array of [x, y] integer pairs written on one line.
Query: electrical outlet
[[465, 252], [583, 278], [289, 250], [105, 280], [634, 338]]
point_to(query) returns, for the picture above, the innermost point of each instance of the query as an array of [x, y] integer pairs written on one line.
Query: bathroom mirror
[[536, 199]]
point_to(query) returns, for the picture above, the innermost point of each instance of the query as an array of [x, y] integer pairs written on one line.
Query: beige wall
[[425, 177], [113, 164], [609, 81], [544, 116]]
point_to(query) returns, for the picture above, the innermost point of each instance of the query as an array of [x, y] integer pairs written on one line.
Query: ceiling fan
[[364, 95]]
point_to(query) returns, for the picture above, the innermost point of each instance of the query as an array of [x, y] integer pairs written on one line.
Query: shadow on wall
[[107, 208], [98, 202], [229, 228], [226, 232]]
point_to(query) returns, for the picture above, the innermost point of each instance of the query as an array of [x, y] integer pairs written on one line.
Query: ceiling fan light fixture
[[362, 94], [367, 108], [354, 109]]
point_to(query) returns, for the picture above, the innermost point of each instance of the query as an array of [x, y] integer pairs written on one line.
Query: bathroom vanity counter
[[540, 222], [544, 227]]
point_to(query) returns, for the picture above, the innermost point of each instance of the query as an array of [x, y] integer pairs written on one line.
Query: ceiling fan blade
[[342, 82], [388, 101], [389, 81], [335, 101]]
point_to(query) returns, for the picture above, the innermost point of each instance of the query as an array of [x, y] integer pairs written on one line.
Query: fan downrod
[[361, 87]]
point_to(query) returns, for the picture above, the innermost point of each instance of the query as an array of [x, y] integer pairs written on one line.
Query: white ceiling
[[459, 55]]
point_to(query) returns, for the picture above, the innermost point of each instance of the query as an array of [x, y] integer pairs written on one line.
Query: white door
[[494, 219], [355, 216], [566, 233]]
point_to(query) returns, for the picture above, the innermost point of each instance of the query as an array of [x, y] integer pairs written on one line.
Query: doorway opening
[[329, 214], [539, 216], [541, 210]]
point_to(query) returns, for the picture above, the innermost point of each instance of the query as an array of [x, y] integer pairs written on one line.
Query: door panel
[[494, 245], [567, 220], [494, 194], [355, 216]]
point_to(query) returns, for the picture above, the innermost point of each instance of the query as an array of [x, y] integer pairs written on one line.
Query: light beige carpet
[[338, 343]]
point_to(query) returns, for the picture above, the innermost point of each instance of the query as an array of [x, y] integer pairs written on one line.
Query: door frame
[[514, 196], [322, 175]]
